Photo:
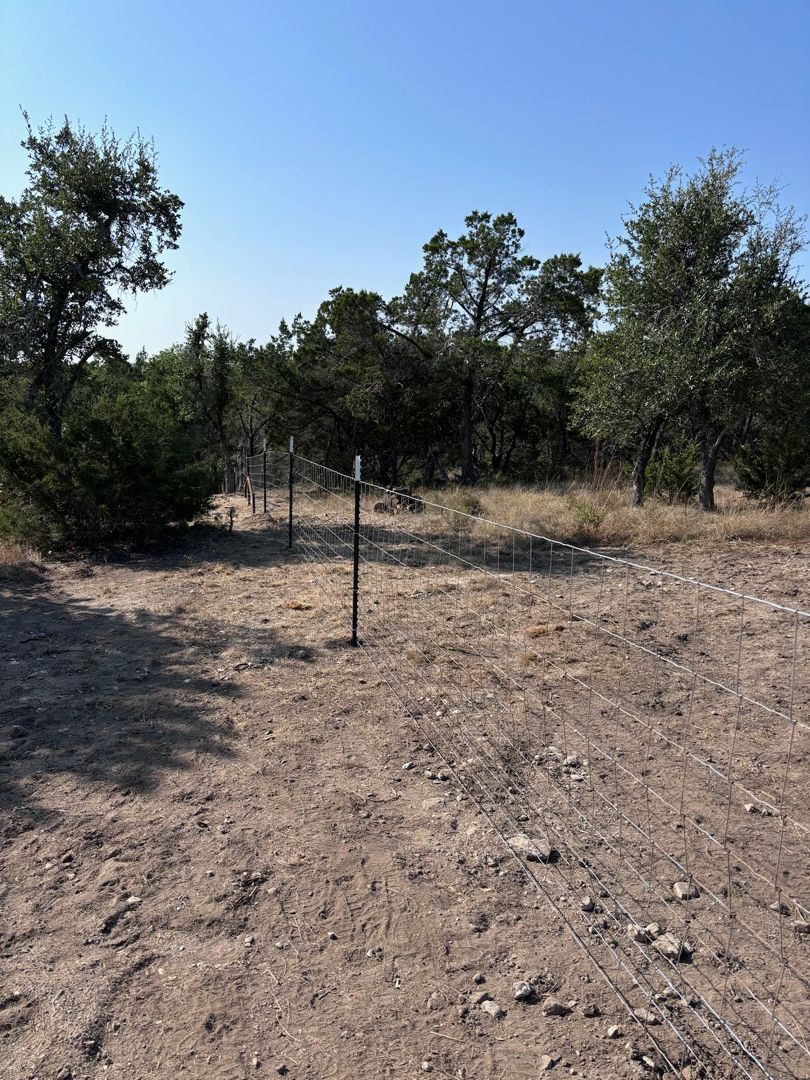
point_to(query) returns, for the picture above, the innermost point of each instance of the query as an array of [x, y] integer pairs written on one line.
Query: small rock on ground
[[646, 1016], [686, 890], [673, 949], [493, 1009], [532, 849], [554, 1007]]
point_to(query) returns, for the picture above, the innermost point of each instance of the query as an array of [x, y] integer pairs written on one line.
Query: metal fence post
[[264, 474], [356, 567], [290, 515]]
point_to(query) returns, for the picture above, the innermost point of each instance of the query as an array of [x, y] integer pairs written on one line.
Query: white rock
[[639, 934], [493, 1009], [646, 1016], [532, 849], [686, 890], [673, 949]]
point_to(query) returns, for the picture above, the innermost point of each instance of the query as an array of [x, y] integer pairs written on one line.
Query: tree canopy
[[687, 349], [697, 297], [89, 228]]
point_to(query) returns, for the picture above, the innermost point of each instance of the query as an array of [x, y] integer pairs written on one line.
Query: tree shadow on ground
[[105, 696], [395, 542]]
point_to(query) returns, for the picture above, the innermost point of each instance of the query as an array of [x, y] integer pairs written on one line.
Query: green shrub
[[588, 521], [672, 474], [774, 466], [125, 468]]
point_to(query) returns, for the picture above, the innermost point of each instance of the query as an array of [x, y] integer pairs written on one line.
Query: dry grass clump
[[542, 630], [18, 562], [589, 516], [416, 656]]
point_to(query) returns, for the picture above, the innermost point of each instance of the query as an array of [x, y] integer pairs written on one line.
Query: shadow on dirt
[[110, 697], [395, 542], [323, 532]]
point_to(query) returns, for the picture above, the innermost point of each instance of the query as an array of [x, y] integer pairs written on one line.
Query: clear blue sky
[[322, 143]]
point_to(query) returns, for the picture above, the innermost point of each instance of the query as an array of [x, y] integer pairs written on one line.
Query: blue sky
[[318, 144]]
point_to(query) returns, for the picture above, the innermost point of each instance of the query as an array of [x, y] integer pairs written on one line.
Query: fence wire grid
[[638, 739]]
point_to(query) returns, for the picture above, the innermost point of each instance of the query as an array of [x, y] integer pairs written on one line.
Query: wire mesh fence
[[638, 739]]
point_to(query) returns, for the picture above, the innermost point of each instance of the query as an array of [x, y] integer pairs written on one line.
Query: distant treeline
[[688, 348]]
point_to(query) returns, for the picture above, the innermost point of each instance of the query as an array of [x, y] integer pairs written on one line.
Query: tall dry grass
[[17, 561], [602, 516]]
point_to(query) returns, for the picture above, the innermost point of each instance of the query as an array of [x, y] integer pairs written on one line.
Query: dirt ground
[[213, 863]]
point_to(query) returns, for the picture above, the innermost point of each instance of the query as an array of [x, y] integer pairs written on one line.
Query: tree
[[696, 291], [356, 386], [126, 465], [626, 394], [478, 301], [773, 461], [89, 229]]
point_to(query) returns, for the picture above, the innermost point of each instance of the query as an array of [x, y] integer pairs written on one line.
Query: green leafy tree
[[478, 301], [773, 461], [696, 291], [90, 228], [626, 394], [125, 466]]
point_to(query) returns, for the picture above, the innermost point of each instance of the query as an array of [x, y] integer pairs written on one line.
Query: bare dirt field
[[213, 863]]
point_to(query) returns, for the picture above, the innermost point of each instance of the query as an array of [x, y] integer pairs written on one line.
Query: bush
[[588, 522], [672, 474], [463, 500], [125, 468], [774, 466]]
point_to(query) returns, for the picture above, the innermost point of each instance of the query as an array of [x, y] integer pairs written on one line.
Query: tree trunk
[[228, 473], [468, 474], [710, 452], [643, 460], [561, 443], [430, 466]]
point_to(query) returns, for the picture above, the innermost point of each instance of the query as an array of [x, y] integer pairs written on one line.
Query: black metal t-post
[[356, 567], [290, 516], [264, 474]]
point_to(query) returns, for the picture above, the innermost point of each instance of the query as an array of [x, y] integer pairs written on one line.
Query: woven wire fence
[[639, 741]]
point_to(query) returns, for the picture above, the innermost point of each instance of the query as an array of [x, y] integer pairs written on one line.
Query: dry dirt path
[[213, 864]]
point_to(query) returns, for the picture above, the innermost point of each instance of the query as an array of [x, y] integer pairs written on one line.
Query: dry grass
[[17, 561], [583, 514]]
